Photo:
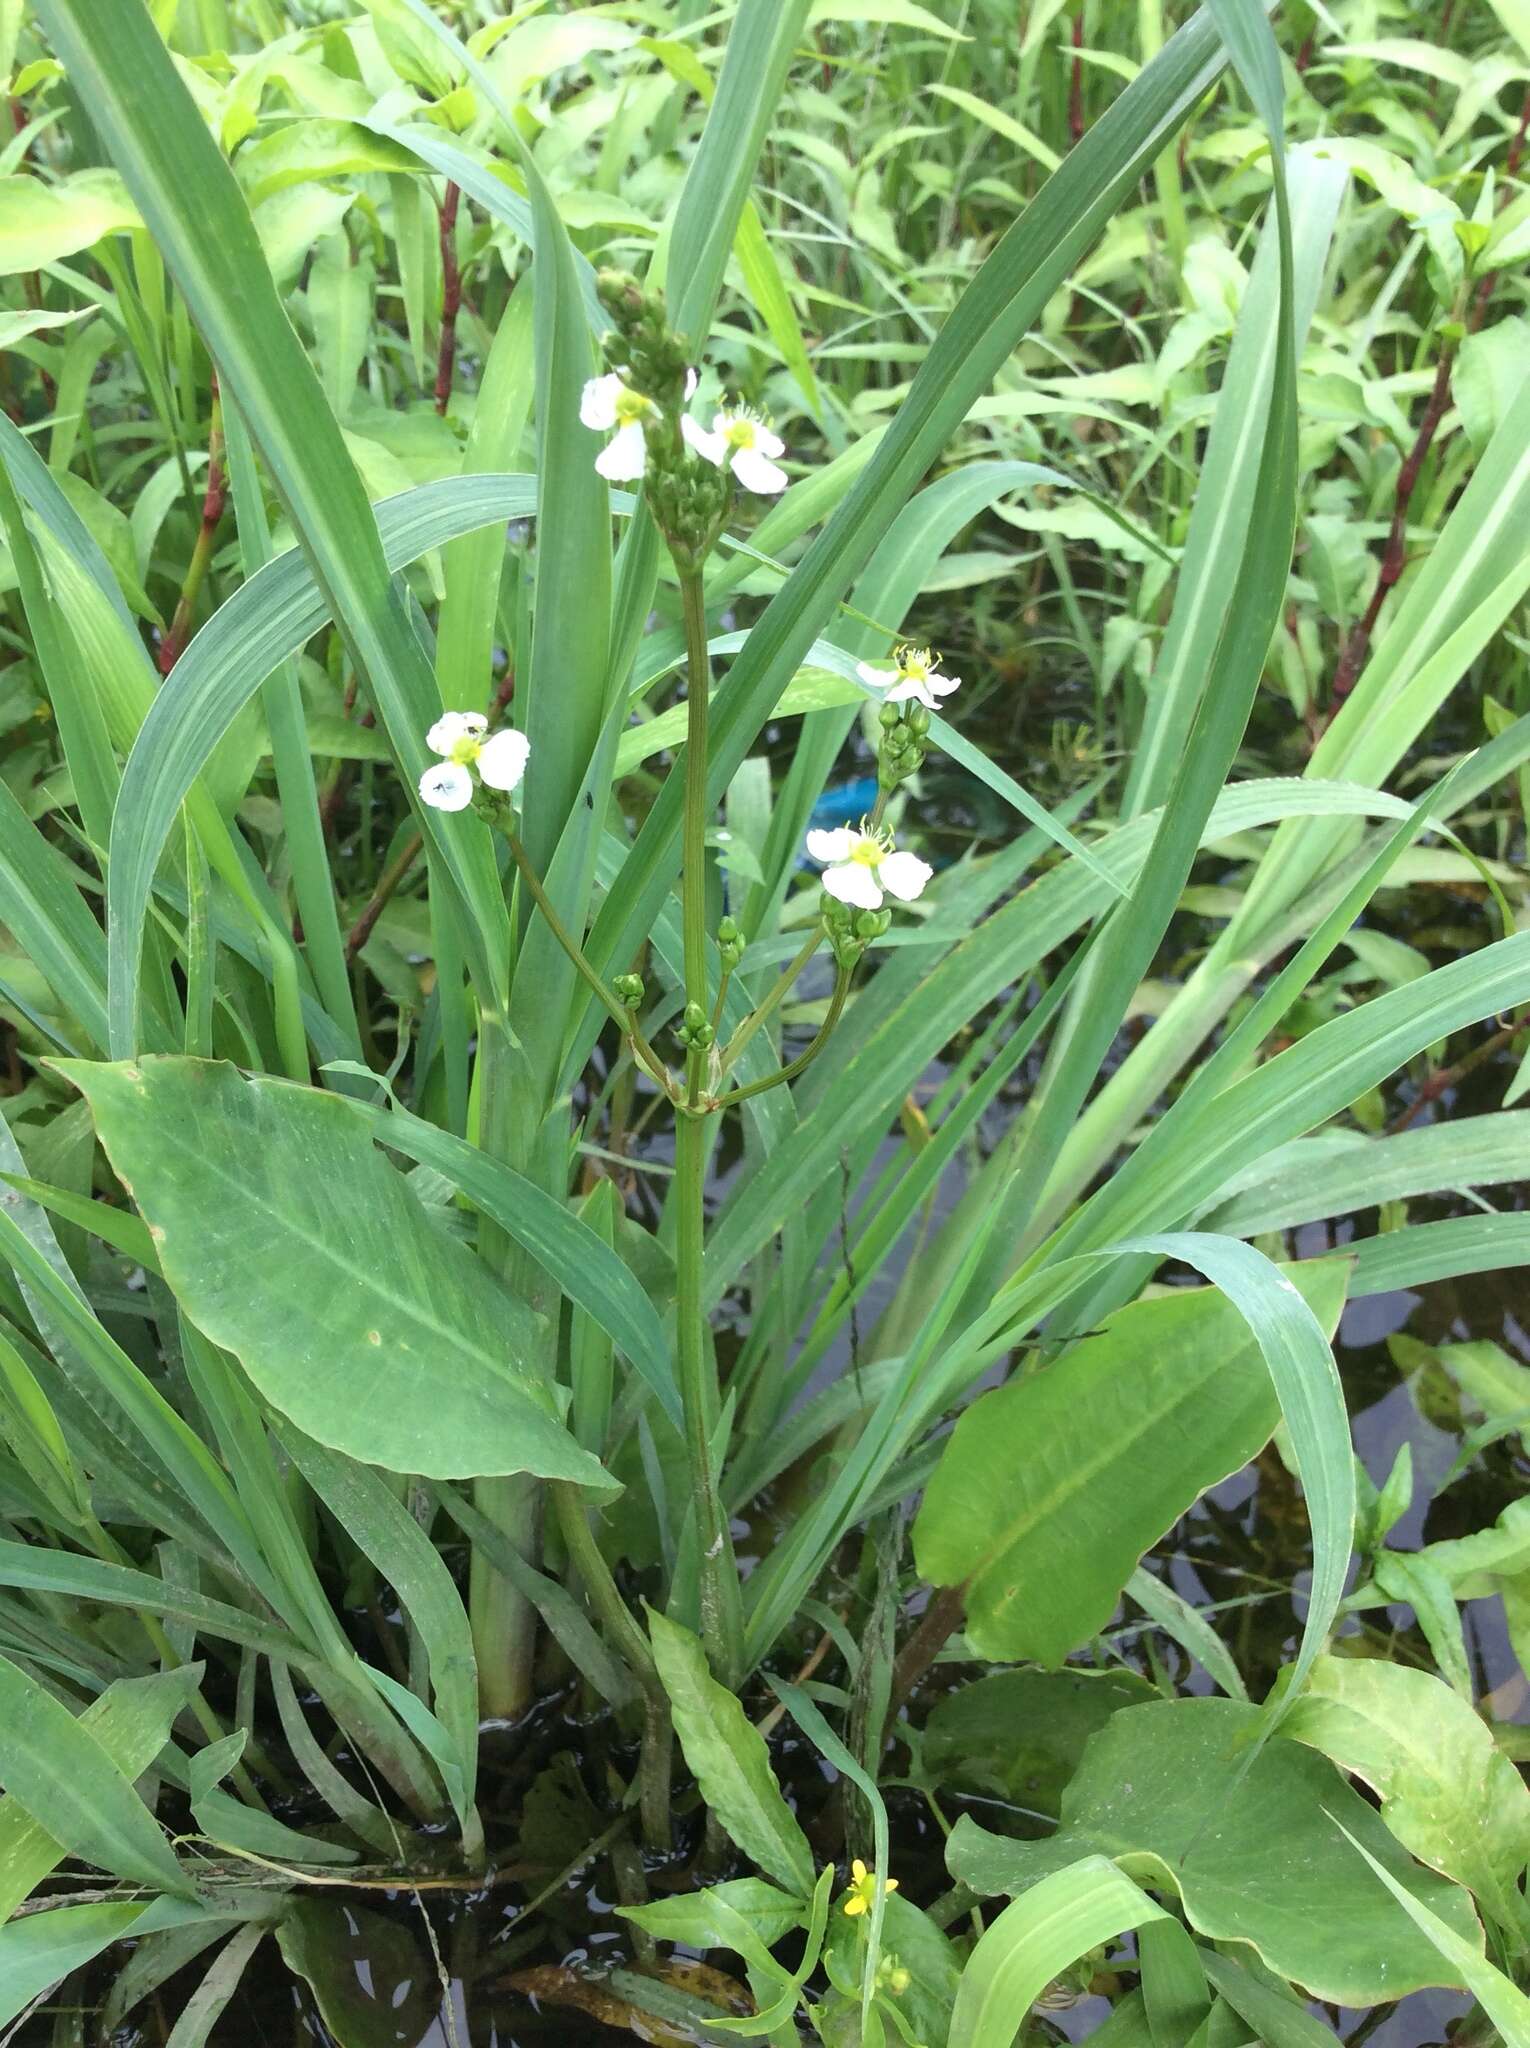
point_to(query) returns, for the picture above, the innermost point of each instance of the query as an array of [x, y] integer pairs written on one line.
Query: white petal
[[768, 443], [909, 688], [878, 678], [905, 875], [710, 447], [625, 455], [831, 845], [691, 381], [721, 421], [944, 685], [756, 474], [447, 786], [855, 883], [450, 727], [597, 408], [503, 760]]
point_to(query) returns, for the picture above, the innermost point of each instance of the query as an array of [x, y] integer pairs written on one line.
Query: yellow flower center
[[871, 848], [465, 751], [631, 406], [741, 432], [916, 663]]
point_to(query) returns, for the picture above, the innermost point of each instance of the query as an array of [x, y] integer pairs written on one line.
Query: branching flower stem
[[804, 1059], [780, 989], [640, 1045]]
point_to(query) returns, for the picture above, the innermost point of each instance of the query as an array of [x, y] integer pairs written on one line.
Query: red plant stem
[[1076, 88], [1395, 555], [382, 895], [213, 497], [451, 296]]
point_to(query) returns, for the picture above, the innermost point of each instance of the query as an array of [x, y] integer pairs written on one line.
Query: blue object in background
[[847, 804]]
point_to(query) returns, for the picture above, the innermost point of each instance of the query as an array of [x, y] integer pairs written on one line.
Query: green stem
[[782, 987], [803, 1059], [503, 1620], [625, 1018], [721, 1613], [693, 873]]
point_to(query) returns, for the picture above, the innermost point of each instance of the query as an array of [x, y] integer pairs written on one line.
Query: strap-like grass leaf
[[1034, 1940], [131, 1721], [56, 1768]]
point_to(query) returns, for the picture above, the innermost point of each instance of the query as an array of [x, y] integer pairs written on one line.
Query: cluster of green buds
[[654, 361], [905, 727], [730, 944], [694, 1030], [628, 991], [850, 931]]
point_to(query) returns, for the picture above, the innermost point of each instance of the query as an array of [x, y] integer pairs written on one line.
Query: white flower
[[916, 674], [452, 726], [859, 865], [500, 760], [446, 786], [742, 442], [608, 403]]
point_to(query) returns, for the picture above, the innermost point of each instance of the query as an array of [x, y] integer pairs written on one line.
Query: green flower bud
[[889, 716], [730, 943], [628, 990], [917, 719]]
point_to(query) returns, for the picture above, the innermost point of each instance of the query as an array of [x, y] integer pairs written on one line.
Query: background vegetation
[[443, 1467]]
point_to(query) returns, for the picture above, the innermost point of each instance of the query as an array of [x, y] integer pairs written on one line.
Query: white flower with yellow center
[[916, 675], [458, 737], [859, 865], [740, 440], [610, 403]]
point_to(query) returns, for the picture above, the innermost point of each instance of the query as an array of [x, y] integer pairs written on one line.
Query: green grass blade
[[762, 38], [1312, 1403]]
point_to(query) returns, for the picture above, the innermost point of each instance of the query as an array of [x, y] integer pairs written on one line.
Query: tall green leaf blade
[[762, 39]]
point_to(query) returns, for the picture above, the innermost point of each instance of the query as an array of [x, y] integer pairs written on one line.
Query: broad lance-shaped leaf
[[728, 1758], [1256, 1849], [290, 1241], [1447, 1790], [1054, 1486]]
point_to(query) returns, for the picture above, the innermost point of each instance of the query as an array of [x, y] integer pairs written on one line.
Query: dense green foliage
[[515, 1202]]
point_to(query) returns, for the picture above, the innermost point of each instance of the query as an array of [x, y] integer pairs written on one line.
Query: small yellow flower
[[863, 1888]]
